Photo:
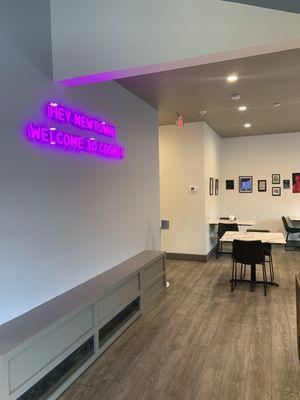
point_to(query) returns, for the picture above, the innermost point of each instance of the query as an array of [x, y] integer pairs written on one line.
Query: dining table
[[295, 218], [241, 222], [265, 237]]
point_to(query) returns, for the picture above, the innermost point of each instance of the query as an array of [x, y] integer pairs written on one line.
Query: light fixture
[[235, 96], [247, 125], [53, 104], [242, 108], [232, 78], [52, 129], [203, 112], [276, 105]]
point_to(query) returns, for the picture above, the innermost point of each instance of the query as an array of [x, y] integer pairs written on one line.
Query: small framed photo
[[216, 187], [230, 184], [286, 184], [211, 186], [276, 179], [262, 185], [276, 191], [245, 184]]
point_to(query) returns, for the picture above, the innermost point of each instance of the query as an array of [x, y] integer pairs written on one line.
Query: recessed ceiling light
[[247, 125], [235, 96], [276, 104], [52, 129], [203, 112], [232, 78], [242, 108]]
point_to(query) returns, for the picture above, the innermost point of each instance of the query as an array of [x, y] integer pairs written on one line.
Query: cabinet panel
[[117, 297], [30, 361], [152, 271]]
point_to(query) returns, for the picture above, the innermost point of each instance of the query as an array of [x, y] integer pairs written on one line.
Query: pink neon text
[[62, 114], [70, 142]]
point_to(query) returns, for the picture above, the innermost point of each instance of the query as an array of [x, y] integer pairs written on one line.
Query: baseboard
[[186, 257], [191, 257]]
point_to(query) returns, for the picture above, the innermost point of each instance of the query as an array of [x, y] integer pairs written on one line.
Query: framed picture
[[286, 184], [245, 184], [211, 186], [262, 185], [275, 179], [216, 187], [230, 184], [296, 182], [276, 191]]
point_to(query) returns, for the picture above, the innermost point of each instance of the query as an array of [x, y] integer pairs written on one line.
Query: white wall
[[181, 165], [188, 156], [212, 154], [64, 217], [260, 157], [118, 36]]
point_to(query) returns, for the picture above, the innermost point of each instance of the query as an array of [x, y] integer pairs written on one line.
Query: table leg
[[253, 276]]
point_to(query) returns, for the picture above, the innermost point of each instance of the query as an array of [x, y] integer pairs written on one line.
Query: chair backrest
[[248, 252], [285, 224], [222, 228]]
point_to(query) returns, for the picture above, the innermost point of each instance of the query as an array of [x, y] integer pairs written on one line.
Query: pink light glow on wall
[[55, 137]]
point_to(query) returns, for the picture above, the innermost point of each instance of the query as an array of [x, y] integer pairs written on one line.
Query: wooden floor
[[201, 342]]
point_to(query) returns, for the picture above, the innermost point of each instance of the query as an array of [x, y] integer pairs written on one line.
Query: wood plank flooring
[[201, 342]]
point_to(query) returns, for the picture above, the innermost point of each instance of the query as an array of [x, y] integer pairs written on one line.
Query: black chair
[[251, 253], [289, 229], [268, 252], [222, 228]]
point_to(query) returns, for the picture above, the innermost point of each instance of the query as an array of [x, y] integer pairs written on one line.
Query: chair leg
[[271, 267], [242, 271], [268, 261], [233, 274], [265, 278]]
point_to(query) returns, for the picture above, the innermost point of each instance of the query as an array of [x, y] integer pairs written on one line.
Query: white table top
[[294, 218], [265, 237], [242, 222]]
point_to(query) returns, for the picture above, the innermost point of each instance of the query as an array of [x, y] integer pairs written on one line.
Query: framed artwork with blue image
[[245, 184]]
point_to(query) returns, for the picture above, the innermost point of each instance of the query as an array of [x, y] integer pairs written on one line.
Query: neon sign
[[53, 136]]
